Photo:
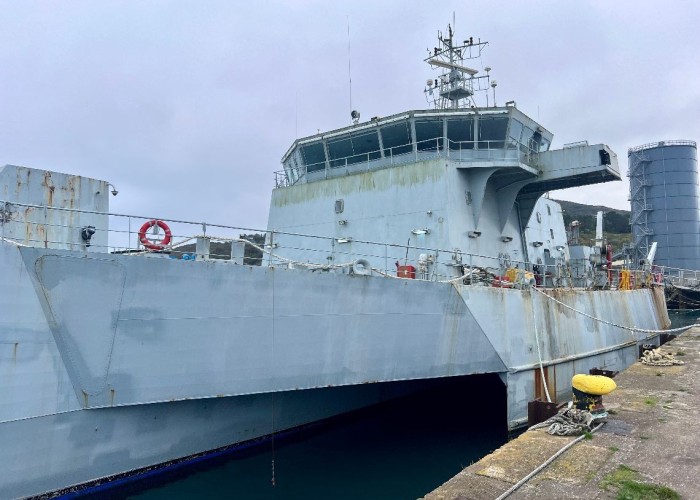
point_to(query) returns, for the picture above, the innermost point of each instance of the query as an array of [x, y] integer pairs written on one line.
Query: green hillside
[[616, 222]]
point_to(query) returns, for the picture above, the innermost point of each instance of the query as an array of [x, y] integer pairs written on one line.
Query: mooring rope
[[654, 357], [570, 422], [456, 280], [600, 320], [539, 355], [551, 459]]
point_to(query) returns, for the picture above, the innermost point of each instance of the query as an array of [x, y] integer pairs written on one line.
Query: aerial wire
[[349, 72], [273, 480]]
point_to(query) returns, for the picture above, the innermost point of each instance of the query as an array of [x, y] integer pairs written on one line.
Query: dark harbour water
[[397, 450], [683, 317]]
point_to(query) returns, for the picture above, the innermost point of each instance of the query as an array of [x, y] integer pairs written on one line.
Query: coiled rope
[[654, 357], [571, 422]]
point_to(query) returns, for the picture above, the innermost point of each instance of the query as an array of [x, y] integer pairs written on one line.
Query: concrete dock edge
[[650, 438]]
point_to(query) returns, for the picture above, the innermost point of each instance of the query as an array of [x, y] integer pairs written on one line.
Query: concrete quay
[[649, 446]]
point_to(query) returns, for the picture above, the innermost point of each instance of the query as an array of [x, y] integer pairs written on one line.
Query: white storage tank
[[665, 202]]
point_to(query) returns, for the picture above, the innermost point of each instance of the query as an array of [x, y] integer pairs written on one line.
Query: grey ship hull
[[112, 363]]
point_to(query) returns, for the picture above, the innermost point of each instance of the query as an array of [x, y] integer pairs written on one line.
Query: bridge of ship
[[503, 136], [500, 146]]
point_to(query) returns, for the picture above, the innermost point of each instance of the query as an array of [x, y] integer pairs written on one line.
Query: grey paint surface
[[667, 209], [116, 361], [91, 393]]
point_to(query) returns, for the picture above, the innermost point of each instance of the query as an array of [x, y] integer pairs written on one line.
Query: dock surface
[[650, 443]]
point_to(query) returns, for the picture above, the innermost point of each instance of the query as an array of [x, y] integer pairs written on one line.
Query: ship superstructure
[[399, 251], [457, 177]]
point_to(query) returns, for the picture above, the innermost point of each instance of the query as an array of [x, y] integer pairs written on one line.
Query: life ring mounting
[[151, 244]]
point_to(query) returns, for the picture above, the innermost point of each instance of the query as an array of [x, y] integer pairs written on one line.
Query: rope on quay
[[551, 459], [623, 327], [571, 422], [654, 357]]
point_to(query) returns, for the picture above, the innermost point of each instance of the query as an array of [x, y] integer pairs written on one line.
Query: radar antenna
[[457, 83]]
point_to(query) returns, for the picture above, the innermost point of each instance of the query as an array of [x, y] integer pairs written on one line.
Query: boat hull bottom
[[66, 452]]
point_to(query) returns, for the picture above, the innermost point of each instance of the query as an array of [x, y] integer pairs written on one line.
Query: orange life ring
[[153, 245]]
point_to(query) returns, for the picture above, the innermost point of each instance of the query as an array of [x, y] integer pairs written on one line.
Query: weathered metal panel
[[250, 331], [439, 212], [34, 378], [82, 300], [243, 330], [36, 225]]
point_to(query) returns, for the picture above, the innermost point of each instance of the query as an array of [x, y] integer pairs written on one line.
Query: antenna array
[[457, 83]]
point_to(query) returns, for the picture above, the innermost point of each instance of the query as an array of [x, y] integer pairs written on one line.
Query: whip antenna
[[349, 72]]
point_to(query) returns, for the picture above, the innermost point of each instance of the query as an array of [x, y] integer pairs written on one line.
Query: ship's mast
[[457, 83]]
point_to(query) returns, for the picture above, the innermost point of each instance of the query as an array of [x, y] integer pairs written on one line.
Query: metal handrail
[[651, 145], [527, 155], [122, 238], [331, 253]]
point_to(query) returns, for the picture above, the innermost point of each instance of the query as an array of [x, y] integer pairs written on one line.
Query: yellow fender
[[597, 385]]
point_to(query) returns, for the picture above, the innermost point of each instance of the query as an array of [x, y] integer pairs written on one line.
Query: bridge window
[[492, 131], [354, 149], [516, 130], [429, 135], [292, 168], [528, 139], [460, 133], [314, 156], [366, 145], [396, 139], [340, 151]]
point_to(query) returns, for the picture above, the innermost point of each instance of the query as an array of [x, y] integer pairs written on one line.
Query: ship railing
[[114, 233], [651, 145], [633, 279], [675, 276], [439, 147]]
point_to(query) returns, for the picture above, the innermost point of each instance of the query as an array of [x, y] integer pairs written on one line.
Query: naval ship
[[399, 251]]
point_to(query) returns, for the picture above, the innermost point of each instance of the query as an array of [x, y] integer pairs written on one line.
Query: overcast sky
[[188, 106]]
